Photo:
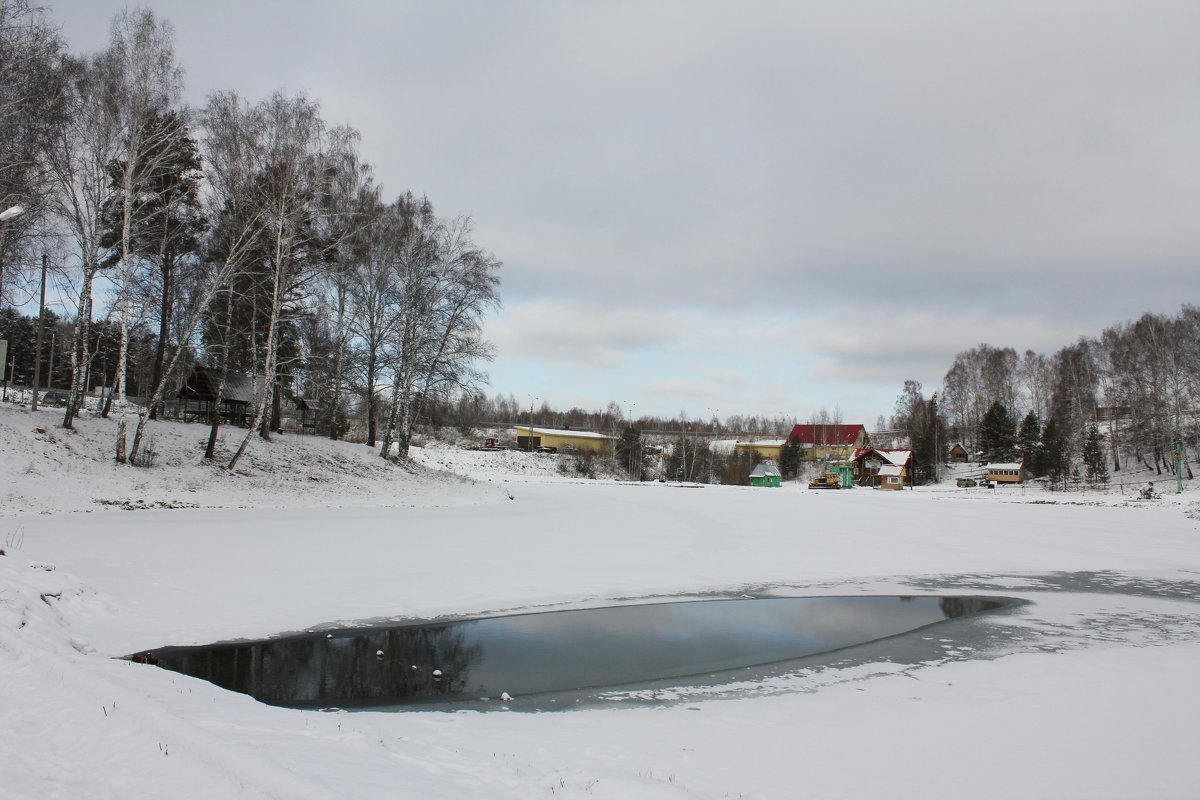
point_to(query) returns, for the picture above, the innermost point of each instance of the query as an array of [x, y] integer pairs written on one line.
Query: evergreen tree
[[1029, 442], [929, 440], [1056, 452], [1093, 457], [165, 223], [998, 434], [789, 461]]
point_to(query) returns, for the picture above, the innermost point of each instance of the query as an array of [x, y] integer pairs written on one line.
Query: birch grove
[[262, 249]]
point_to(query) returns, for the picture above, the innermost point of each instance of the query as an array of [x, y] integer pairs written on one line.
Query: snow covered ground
[[1089, 692]]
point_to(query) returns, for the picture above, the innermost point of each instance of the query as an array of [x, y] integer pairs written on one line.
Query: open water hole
[[474, 662]]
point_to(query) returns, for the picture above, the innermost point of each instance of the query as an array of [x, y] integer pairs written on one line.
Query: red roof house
[[833, 441], [821, 435]]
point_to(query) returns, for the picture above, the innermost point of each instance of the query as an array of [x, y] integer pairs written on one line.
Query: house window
[[893, 479]]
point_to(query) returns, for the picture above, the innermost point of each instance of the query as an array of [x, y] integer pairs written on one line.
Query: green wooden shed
[[766, 474], [845, 473]]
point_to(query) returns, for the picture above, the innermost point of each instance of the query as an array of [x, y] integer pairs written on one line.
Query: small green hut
[[766, 474]]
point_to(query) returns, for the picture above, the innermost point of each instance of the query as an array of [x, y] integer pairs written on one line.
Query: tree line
[[1129, 392], [247, 237]]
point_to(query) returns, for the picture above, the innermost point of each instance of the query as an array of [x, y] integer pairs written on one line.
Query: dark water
[[559, 651]]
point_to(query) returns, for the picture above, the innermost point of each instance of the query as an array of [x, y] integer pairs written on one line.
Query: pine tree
[[998, 433], [1093, 457], [166, 222], [1029, 443], [789, 461], [1055, 452]]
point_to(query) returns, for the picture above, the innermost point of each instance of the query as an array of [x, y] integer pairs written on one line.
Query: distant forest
[[1130, 392]]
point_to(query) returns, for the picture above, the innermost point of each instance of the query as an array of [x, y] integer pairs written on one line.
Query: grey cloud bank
[[669, 177]]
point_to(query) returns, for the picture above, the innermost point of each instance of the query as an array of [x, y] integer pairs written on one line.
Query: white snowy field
[[1088, 692]]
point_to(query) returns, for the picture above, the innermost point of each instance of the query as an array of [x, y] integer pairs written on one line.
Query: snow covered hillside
[[52, 469], [1088, 691]]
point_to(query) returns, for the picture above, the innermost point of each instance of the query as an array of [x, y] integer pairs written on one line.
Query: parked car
[[55, 397], [965, 482]]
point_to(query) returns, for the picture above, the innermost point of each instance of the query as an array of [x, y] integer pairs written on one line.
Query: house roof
[[202, 384], [892, 470], [825, 434], [889, 455], [765, 469], [1005, 466], [764, 443]]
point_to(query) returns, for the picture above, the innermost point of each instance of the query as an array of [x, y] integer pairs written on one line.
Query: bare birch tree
[[272, 155], [371, 291], [78, 157], [466, 288], [447, 284], [145, 79], [348, 210]]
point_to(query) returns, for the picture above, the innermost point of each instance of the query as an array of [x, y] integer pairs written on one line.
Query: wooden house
[[869, 464], [1006, 473], [199, 393], [958, 454]]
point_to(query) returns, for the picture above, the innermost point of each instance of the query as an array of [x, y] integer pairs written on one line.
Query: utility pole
[[532, 399], [37, 356]]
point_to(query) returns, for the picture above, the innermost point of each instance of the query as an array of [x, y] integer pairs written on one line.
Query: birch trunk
[[123, 304], [79, 349], [264, 393]]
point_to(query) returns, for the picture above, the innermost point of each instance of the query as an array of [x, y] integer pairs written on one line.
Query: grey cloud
[[1020, 160]]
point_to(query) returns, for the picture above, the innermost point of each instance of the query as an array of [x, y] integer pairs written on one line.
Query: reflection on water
[[555, 651]]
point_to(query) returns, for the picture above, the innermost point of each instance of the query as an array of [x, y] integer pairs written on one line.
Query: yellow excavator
[[829, 480]]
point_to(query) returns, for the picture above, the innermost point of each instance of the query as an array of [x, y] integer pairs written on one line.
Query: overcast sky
[[757, 207]]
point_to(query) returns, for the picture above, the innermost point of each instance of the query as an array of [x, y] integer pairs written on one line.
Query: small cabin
[[1006, 473], [766, 474], [891, 476], [958, 454]]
